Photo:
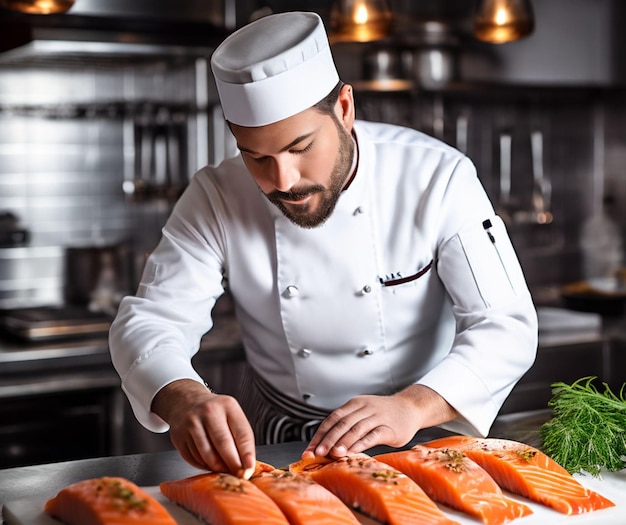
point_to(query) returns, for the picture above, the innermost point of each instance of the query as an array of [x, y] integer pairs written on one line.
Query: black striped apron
[[274, 416]]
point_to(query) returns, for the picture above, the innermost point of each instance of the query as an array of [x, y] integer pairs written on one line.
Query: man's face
[[301, 163]]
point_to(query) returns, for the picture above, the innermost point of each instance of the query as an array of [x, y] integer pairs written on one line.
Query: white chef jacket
[[412, 279]]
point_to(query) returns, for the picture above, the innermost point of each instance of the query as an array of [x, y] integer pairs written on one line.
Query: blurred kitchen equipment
[[604, 295], [12, 232], [102, 32], [360, 20], [500, 21], [160, 142], [601, 244], [504, 198], [539, 212], [97, 277], [38, 7], [462, 131], [386, 69], [435, 61], [542, 188], [46, 323]]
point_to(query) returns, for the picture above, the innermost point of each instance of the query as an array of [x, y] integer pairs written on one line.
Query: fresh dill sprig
[[588, 429]]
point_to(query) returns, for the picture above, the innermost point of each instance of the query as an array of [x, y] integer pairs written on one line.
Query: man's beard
[[328, 197]]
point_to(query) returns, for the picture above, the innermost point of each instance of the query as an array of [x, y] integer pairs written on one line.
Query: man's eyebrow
[[297, 140]]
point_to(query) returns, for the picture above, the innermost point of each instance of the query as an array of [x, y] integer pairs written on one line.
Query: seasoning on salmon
[[302, 500], [527, 471], [223, 499], [450, 477], [374, 489], [105, 500]]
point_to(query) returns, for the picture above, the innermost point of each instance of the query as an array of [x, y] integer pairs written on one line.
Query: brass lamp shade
[[38, 7], [501, 21], [360, 20]]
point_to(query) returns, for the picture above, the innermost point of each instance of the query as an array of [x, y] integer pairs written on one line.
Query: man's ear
[[344, 108]]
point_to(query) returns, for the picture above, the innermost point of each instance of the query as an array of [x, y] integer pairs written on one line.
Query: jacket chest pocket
[[402, 279]]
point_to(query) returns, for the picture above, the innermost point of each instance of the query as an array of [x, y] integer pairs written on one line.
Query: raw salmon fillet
[[374, 489], [105, 500], [223, 499], [302, 500], [526, 471], [450, 477]]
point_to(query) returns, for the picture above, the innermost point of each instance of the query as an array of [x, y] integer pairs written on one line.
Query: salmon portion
[[524, 470], [450, 477], [375, 489], [302, 500], [223, 499], [106, 500]]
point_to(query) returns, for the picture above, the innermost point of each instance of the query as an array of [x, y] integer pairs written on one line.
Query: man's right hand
[[210, 431]]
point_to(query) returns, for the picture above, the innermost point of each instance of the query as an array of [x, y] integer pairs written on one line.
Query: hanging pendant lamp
[[361, 20], [501, 21], [38, 7]]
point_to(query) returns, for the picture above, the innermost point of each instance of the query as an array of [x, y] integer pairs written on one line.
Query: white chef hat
[[274, 68]]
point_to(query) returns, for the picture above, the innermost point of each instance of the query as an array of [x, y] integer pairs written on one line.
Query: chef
[[377, 291]]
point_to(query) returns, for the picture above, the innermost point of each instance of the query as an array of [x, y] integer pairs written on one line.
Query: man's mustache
[[294, 195]]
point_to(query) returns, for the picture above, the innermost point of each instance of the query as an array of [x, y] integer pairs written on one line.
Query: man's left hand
[[368, 420]]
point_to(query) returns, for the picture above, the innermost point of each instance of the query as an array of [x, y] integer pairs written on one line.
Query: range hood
[[114, 31]]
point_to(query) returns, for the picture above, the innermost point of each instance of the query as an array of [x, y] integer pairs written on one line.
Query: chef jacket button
[[366, 352], [359, 210], [366, 289], [306, 397], [292, 291], [305, 352]]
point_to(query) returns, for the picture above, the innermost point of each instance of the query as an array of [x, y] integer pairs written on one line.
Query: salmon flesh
[[375, 489], [223, 499], [524, 470], [451, 478], [105, 500], [302, 500]]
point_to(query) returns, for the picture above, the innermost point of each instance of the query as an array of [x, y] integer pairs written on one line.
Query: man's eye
[[303, 150], [256, 159]]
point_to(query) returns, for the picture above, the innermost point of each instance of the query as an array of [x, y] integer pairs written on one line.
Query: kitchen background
[[95, 145]]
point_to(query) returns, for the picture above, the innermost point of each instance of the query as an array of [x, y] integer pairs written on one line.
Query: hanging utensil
[[539, 212], [542, 189], [462, 131], [504, 198]]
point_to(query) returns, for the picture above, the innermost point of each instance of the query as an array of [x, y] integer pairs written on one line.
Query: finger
[[309, 451], [363, 430], [334, 428], [244, 442], [203, 449], [191, 457], [234, 440], [374, 437]]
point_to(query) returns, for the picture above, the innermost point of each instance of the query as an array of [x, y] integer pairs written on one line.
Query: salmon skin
[[524, 470], [302, 500], [105, 500], [223, 499], [450, 477], [375, 489]]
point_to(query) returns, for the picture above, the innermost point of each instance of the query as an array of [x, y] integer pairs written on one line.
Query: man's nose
[[285, 173]]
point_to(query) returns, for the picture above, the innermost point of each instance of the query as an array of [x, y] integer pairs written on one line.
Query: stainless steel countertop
[[44, 481]]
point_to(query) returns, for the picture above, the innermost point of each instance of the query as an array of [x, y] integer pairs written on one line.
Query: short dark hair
[[326, 106]]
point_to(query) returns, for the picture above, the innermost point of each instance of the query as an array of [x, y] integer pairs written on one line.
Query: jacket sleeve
[[496, 322], [157, 331]]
